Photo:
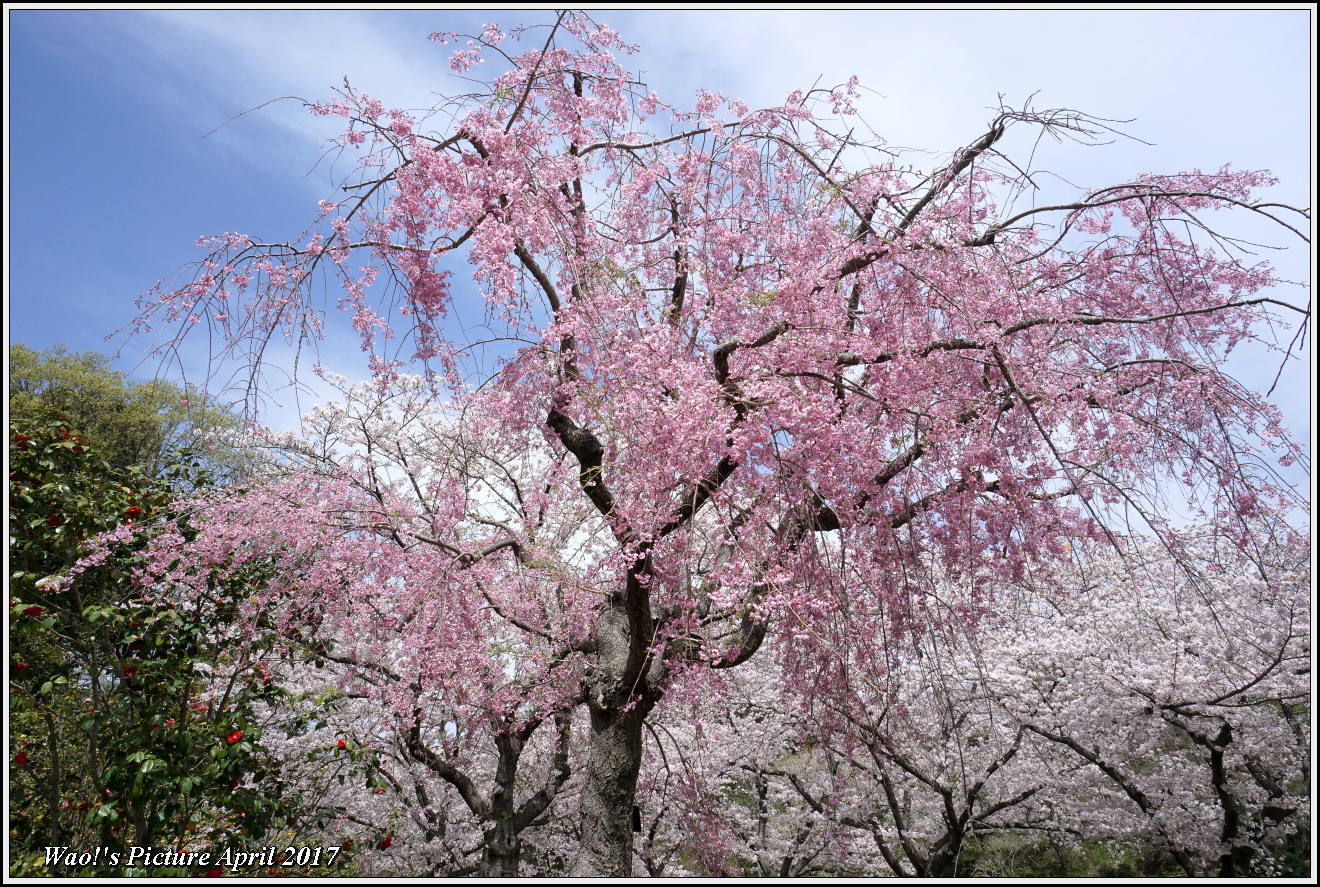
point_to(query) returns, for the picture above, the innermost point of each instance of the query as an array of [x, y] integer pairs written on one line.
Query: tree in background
[[138, 423], [1153, 721], [376, 497], [774, 362], [1178, 680]]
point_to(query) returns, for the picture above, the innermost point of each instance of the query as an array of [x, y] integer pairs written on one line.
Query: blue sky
[[112, 174]]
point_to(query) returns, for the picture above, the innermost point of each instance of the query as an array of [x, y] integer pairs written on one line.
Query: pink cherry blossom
[[746, 385]]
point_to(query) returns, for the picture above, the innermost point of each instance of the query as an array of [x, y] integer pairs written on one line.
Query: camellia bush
[[761, 382], [131, 716], [136, 720]]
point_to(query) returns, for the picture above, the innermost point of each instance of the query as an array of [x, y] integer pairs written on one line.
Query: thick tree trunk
[[945, 855], [503, 851], [614, 758], [502, 839]]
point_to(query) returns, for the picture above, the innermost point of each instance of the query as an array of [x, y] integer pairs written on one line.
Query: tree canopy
[[130, 423], [767, 386]]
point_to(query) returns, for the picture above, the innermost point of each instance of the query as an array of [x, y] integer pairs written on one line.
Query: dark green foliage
[[135, 719], [113, 744]]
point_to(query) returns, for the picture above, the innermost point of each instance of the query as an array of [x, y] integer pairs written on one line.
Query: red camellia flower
[[21, 759], [54, 520], [33, 611], [385, 844], [233, 783], [21, 667], [234, 737], [21, 441], [129, 671], [343, 744], [214, 872], [132, 511]]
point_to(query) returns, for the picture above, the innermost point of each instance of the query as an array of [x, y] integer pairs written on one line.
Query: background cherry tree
[[755, 363], [1196, 660], [474, 683], [1159, 707]]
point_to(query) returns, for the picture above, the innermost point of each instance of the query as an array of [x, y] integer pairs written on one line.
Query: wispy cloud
[[1205, 87], [208, 67]]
